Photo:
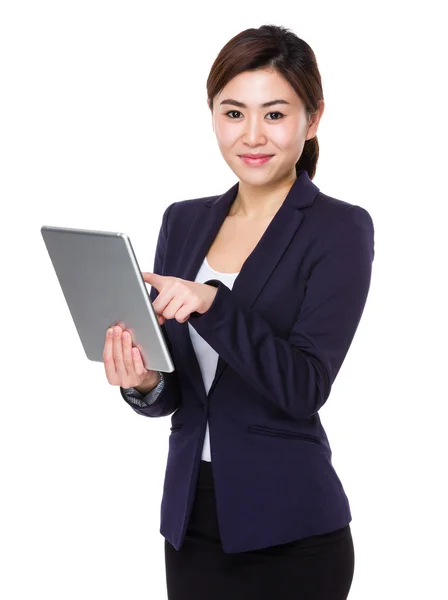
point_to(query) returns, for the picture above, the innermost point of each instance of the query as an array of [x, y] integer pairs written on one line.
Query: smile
[[255, 161]]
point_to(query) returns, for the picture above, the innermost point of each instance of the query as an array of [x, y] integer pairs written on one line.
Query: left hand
[[178, 298]]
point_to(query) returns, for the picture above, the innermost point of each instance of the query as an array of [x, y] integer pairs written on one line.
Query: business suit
[[282, 334]]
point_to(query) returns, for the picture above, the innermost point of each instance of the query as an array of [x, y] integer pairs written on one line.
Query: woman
[[259, 293]]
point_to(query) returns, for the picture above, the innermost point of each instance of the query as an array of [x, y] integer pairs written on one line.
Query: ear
[[314, 120], [211, 114]]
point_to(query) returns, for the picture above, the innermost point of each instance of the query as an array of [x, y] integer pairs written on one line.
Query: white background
[[104, 124]]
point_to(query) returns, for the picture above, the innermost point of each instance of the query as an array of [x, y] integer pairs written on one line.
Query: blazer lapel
[[257, 268]]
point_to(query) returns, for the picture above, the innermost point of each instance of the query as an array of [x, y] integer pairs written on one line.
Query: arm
[[297, 374], [165, 398]]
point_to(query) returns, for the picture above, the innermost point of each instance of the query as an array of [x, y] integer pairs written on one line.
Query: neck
[[257, 202]]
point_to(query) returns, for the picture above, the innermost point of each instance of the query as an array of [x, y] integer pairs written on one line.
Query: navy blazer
[[281, 334]]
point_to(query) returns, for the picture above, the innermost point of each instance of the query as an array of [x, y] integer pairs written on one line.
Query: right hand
[[124, 364]]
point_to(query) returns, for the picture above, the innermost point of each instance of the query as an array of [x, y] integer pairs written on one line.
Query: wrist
[[148, 386]]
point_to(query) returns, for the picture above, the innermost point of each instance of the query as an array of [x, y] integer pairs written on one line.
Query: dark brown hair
[[278, 48]]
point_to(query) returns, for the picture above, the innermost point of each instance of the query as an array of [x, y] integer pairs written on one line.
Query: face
[[259, 112]]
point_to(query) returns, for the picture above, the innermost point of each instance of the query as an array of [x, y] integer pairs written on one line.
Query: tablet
[[103, 286]]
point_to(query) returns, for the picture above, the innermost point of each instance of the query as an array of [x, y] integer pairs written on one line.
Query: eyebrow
[[265, 105]]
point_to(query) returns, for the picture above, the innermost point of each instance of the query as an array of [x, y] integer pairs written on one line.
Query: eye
[[276, 113], [228, 113], [232, 111]]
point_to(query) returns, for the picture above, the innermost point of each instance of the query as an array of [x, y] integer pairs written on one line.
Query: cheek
[[225, 134], [287, 137]]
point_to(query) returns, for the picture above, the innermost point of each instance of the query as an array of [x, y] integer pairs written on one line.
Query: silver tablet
[[103, 286]]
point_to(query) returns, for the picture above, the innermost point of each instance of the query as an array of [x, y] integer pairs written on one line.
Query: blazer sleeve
[[165, 398], [133, 396], [296, 374]]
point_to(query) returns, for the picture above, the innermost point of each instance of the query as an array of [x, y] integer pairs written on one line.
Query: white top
[[206, 356]]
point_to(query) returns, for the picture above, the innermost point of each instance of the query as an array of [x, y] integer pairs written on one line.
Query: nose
[[253, 134]]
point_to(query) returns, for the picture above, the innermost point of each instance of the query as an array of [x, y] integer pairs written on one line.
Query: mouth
[[255, 159]]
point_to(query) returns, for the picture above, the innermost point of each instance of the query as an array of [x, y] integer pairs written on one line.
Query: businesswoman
[[258, 292]]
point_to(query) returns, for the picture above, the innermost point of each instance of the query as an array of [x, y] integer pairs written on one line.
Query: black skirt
[[314, 568]]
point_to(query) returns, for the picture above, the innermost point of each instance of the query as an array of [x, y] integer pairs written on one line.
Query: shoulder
[[333, 220], [190, 204], [184, 208], [335, 210], [337, 227]]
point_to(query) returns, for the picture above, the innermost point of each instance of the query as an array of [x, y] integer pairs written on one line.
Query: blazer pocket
[[174, 428], [284, 433]]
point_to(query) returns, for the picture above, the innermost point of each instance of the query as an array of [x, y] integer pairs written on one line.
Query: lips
[[255, 159], [255, 156]]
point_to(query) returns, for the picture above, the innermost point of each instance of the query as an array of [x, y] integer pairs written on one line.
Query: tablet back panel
[[103, 286]]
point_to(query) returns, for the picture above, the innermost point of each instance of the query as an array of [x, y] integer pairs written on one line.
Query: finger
[[172, 300], [183, 314], [108, 359], [160, 302], [118, 355], [138, 362], [166, 295], [128, 361], [183, 309]]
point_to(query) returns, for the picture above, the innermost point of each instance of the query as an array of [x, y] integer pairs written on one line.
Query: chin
[[255, 180], [253, 175]]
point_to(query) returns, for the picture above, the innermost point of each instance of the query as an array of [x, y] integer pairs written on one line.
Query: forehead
[[256, 87]]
